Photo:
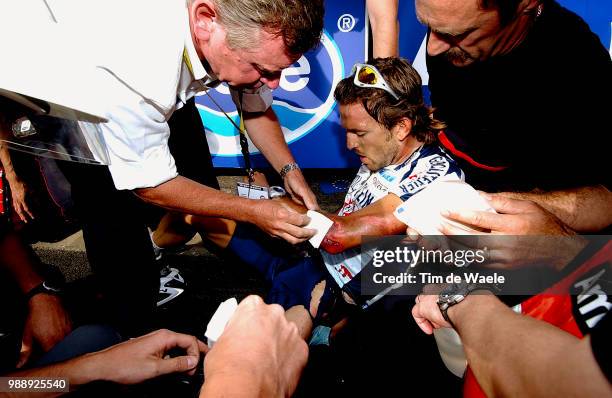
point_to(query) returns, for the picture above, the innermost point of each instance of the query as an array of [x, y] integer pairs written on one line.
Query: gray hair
[[385, 109], [298, 22]]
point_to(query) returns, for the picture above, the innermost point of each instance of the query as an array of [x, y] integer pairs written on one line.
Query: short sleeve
[[136, 138], [427, 170]]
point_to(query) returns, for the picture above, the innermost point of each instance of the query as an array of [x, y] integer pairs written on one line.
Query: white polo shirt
[[140, 47]]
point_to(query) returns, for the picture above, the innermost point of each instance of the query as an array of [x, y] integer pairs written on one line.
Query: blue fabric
[[292, 278], [258, 250], [294, 286], [83, 340], [320, 336]]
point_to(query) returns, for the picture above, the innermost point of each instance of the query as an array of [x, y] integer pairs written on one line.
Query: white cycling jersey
[[424, 166]]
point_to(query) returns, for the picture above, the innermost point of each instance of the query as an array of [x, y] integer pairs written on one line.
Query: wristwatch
[[47, 287], [455, 293], [287, 168]]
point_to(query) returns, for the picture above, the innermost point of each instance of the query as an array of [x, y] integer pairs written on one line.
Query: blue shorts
[[292, 277]]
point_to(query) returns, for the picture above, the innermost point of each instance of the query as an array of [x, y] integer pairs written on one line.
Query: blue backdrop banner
[[304, 101]]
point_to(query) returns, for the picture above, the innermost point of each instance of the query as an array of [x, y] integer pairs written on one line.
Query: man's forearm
[[385, 27], [265, 132], [346, 233], [584, 209], [246, 383], [6, 163], [187, 196], [515, 355], [374, 220]]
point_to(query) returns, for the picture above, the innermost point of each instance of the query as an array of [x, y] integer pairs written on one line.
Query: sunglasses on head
[[370, 77]]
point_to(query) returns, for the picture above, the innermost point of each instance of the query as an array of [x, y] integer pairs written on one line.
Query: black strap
[[244, 143]]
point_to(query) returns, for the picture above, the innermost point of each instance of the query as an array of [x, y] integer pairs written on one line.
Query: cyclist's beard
[[458, 57]]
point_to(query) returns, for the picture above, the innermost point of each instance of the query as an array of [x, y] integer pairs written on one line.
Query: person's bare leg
[[176, 229], [217, 230], [300, 316], [172, 231]]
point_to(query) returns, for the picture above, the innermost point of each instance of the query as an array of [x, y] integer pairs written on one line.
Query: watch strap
[[43, 287], [455, 293], [287, 168], [446, 317], [449, 297]]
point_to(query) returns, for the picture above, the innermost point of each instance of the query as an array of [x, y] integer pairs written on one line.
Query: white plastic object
[[219, 320], [321, 224], [451, 350], [422, 211]]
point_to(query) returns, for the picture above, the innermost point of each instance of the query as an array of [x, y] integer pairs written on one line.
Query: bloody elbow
[[331, 246]]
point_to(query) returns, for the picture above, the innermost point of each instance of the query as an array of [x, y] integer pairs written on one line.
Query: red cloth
[[556, 309]]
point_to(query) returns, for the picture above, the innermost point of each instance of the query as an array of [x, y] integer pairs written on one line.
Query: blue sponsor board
[[597, 13], [304, 101]]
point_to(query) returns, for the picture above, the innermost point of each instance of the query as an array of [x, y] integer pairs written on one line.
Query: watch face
[[450, 299], [443, 298]]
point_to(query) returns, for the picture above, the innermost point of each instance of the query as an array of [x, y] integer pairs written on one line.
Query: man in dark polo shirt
[[524, 87]]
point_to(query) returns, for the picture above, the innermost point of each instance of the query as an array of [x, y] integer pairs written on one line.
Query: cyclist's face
[[373, 143]]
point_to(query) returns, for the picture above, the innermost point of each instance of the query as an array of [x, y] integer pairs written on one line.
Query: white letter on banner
[[303, 68]]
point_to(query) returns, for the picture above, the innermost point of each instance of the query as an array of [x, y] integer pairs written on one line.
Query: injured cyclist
[[392, 131]]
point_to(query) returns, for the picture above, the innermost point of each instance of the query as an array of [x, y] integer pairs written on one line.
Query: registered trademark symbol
[[346, 23]]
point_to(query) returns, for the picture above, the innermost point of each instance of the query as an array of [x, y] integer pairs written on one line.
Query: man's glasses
[[370, 77]]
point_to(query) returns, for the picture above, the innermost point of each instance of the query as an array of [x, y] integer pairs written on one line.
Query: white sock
[[156, 249]]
